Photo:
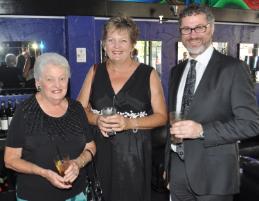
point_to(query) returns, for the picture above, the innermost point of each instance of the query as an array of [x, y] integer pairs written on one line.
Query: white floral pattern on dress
[[130, 114]]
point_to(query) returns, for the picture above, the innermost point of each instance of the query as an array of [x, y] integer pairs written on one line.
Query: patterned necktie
[[189, 88], [187, 99]]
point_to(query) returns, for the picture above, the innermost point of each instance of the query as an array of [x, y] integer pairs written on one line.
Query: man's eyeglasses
[[197, 29]]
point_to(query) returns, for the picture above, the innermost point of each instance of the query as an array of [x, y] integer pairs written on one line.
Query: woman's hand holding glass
[[67, 169], [56, 179], [72, 172], [110, 123]]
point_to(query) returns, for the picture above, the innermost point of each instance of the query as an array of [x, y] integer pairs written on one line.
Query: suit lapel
[[175, 79], [203, 87]]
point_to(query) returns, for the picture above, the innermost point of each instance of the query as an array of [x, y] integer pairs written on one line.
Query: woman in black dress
[[48, 127], [134, 89]]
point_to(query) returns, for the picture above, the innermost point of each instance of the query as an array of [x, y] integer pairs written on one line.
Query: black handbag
[[159, 138], [93, 189]]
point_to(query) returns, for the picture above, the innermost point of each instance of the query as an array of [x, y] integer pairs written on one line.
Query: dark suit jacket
[[225, 104], [9, 77]]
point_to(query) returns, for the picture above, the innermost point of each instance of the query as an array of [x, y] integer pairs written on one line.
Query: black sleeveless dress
[[124, 160]]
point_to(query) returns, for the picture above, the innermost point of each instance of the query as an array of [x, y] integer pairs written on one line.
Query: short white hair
[[50, 58]]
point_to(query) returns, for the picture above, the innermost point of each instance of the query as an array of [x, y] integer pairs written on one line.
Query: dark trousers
[[180, 188]]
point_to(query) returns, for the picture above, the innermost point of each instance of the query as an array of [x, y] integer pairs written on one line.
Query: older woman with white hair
[[49, 142]]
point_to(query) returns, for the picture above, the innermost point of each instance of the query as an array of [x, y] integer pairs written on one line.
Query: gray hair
[[196, 10], [10, 60], [50, 58]]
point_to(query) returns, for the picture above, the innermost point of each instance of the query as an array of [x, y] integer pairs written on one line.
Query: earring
[[38, 88], [131, 55]]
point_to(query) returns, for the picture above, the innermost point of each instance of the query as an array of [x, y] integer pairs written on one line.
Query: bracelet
[[201, 135], [83, 162], [91, 153], [82, 159], [135, 130], [80, 162], [96, 122]]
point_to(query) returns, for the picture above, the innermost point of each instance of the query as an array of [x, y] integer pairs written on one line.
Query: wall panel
[[49, 30], [64, 35]]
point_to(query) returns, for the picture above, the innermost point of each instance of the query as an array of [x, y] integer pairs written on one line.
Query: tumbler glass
[[109, 111], [62, 163], [175, 117]]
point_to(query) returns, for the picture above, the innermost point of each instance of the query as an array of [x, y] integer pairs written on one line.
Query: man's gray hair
[[196, 10], [10, 60]]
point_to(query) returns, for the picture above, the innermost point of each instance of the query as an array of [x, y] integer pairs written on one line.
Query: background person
[[28, 72], [21, 59], [222, 111], [123, 160], [9, 74], [10, 60], [45, 127], [185, 57], [134, 55]]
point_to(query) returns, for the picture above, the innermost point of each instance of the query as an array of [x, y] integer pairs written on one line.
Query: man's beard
[[198, 50]]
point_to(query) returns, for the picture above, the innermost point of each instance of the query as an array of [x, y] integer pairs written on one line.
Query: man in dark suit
[[220, 111]]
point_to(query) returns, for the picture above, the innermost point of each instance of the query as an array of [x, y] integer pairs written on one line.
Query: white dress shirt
[[202, 62]]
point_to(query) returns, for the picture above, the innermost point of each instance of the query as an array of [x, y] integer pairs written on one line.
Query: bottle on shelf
[[3, 184], [3, 120], [10, 110]]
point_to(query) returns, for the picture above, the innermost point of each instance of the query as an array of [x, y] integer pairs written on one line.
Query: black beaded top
[[43, 138]]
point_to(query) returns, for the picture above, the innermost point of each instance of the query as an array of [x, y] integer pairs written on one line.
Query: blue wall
[[169, 35], [80, 34], [64, 35], [50, 31]]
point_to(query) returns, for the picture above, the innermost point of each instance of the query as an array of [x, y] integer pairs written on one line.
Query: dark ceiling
[[52, 7], [108, 8]]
